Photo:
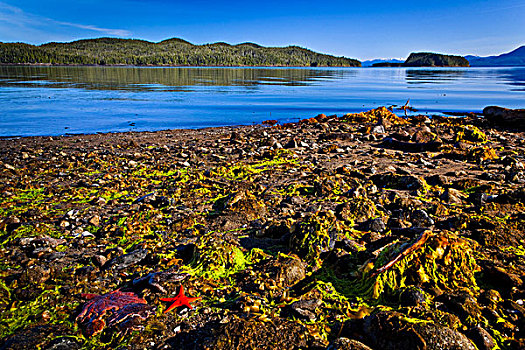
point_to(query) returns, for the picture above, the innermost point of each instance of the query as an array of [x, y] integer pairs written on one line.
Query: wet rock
[[347, 344], [283, 272], [155, 280]]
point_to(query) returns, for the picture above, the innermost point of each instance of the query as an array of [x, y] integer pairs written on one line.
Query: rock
[[412, 296], [470, 133], [99, 260], [505, 117], [398, 182], [64, 343], [453, 196], [378, 129], [376, 225], [497, 276], [238, 333], [292, 143], [436, 180], [460, 304], [420, 218], [347, 344], [29, 338], [95, 220], [389, 330], [481, 338], [124, 261], [304, 309], [392, 143], [36, 274], [424, 135], [358, 209]]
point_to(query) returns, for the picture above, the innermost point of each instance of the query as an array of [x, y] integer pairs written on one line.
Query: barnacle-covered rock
[[390, 330], [275, 333]]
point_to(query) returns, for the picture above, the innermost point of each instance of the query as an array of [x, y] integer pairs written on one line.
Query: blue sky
[[363, 30]]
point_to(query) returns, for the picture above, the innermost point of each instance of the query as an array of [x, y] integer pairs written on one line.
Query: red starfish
[[179, 300]]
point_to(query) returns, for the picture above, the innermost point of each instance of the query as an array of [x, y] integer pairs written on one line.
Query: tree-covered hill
[[428, 59], [171, 52]]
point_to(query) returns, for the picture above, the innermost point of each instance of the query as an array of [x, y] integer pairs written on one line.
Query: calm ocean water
[[60, 100]]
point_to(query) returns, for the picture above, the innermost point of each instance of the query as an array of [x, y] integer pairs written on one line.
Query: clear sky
[[357, 29]]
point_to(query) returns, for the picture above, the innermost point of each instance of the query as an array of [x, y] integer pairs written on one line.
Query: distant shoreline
[[162, 66], [208, 66]]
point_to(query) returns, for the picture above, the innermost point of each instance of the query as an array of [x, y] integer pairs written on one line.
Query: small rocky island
[[363, 231]]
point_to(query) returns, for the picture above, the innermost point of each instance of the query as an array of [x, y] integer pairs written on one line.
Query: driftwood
[[505, 117], [392, 143], [422, 239]]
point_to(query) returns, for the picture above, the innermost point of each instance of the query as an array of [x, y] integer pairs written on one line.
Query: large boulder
[[504, 116], [390, 330]]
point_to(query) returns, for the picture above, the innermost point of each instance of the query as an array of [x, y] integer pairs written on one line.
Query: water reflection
[[514, 76], [433, 76], [164, 79]]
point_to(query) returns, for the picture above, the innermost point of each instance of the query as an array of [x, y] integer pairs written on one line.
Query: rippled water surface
[[60, 100]]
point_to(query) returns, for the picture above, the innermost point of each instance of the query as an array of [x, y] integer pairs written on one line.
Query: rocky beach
[[364, 231]]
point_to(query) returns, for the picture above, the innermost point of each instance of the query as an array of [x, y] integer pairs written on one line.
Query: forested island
[[427, 59], [171, 52]]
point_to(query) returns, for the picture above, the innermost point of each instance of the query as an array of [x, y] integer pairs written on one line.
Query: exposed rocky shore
[[365, 231]]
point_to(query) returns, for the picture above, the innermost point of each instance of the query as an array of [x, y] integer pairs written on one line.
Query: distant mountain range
[[171, 52], [513, 58]]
